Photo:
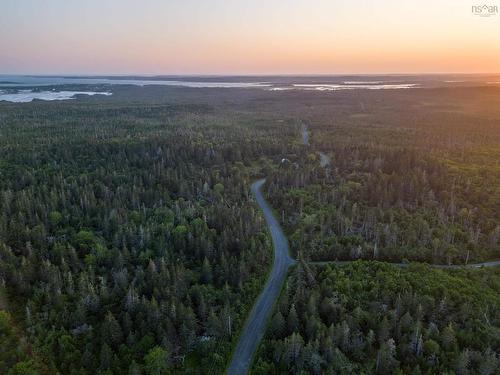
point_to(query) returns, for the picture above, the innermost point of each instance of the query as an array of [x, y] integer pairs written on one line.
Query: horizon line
[[153, 75]]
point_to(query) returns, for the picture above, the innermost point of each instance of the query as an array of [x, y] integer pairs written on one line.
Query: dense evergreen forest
[[128, 232], [374, 318], [130, 242], [416, 180], [410, 181]]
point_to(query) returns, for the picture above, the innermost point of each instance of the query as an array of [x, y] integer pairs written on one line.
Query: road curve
[[256, 323]]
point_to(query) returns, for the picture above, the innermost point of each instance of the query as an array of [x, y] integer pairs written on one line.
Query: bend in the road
[[256, 323]]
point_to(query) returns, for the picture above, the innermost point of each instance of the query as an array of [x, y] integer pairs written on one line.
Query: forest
[[130, 242], [401, 184], [373, 318]]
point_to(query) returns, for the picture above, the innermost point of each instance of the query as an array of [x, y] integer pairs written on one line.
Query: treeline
[[129, 234], [374, 318]]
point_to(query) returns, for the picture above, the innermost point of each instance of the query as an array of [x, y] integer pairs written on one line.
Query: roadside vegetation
[[131, 243], [406, 181], [373, 318], [129, 234]]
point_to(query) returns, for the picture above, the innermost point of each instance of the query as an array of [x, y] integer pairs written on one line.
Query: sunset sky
[[246, 37]]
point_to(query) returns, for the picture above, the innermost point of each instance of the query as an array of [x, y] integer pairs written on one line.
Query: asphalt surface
[[324, 160], [493, 263], [305, 135], [256, 323]]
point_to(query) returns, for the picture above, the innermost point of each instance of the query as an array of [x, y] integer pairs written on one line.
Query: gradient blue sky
[[246, 37]]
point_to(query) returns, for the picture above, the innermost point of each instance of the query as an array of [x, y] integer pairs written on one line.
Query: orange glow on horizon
[[273, 37]]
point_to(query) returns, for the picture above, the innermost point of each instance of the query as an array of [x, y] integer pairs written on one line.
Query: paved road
[[324, 160], [493, 263], [256, 323], [305, 135]]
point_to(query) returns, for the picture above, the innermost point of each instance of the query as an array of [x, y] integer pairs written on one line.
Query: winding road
[[256, 323]]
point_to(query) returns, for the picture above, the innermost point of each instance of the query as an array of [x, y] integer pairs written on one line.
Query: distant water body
[[355, 86], [268, 83], [31, 81], [25, 96]]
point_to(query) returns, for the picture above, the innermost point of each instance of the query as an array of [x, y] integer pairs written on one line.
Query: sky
[[247, 37]]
